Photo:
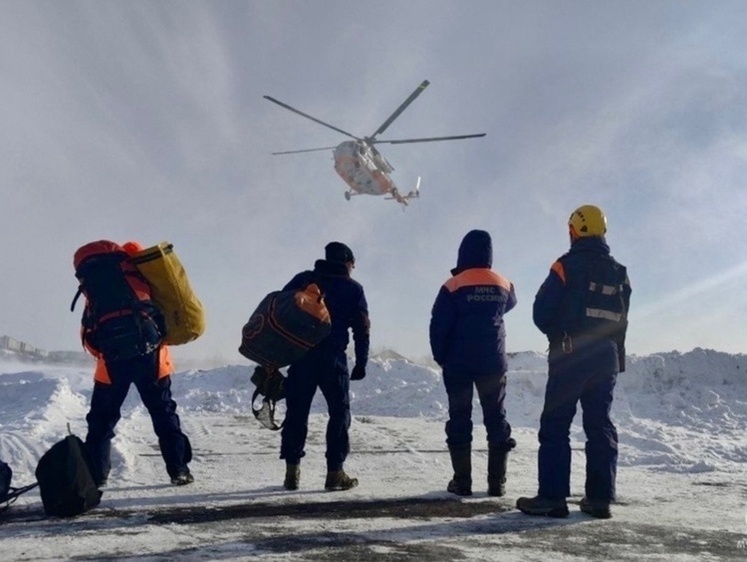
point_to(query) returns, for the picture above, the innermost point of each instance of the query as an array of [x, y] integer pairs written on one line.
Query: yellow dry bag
[[172, 293]]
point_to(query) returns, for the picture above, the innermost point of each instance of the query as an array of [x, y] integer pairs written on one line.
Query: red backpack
[[119, 321]]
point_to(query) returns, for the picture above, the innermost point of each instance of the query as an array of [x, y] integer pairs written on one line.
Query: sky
[[146, 121], [680, 485]]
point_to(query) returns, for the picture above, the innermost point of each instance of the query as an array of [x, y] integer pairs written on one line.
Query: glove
[[359, 372]]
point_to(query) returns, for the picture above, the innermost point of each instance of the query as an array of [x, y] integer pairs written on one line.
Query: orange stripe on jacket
[[477, 276], [165, 366], [557, 267]]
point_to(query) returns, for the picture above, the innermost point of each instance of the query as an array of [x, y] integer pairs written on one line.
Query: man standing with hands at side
[[582, 308], [468, 341]]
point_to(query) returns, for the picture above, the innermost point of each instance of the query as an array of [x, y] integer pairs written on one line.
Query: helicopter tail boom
[[404, 199]]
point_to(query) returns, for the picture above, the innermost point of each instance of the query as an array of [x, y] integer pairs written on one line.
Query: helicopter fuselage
[[363, 168]]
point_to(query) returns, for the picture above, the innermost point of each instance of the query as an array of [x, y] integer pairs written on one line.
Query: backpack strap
[[77, 296], [13, 494], [316, 279], [270, 385], [265, 414]]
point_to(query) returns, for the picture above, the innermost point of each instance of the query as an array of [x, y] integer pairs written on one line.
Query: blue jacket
[[582, 307], [347, 307], [466, 328]]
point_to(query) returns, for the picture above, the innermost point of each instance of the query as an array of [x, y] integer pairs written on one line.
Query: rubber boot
[[497, 463], [292, 476], [461, 462]]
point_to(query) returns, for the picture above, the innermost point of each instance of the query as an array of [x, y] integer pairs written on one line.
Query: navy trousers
[[329, 373], [565, 388], [491, 390], [105, 412]]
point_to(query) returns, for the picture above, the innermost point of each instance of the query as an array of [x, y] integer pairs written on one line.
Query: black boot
[[461, 462], [497, 462], [292, 476], [599, 509], [338, 480], [543, 506]]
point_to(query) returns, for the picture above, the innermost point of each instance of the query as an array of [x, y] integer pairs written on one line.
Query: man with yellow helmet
[[582, 308]]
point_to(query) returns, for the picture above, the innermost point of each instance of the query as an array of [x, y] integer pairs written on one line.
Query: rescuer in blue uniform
[[326, 367], [582, 307], [468, 341]]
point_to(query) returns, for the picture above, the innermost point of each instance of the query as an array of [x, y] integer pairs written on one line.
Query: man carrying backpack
[[123, 329], [582, 308], [325, 367]]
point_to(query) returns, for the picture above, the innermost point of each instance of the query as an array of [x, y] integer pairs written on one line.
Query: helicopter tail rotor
[[415, 193]]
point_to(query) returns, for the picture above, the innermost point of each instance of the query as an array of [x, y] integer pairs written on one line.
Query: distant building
[[10, 347], [9, 344]]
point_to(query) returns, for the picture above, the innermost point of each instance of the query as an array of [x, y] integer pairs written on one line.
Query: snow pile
[[684, 412], [675, 411], [682, 446]]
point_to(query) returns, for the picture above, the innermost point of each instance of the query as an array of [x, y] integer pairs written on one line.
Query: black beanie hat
[[339, 252]]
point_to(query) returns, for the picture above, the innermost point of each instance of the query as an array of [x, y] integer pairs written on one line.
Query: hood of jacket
[[476, 250]]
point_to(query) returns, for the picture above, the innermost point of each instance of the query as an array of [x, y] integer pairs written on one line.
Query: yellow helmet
[[587, 220]]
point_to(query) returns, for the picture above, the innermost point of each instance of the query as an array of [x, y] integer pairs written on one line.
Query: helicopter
[[361, 166]]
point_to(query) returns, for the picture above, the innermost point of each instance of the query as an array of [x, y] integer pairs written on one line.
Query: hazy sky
[[145, 120]]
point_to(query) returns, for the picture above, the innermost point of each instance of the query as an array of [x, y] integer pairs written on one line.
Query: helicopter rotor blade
[[429, 139], [304, 150], [314, 119], [399, 110]]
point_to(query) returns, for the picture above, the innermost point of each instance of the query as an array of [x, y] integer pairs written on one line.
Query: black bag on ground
[[65, 482], [5, 475]]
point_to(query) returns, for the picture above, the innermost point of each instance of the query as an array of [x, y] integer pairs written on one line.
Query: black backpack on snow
[[5, 475], [65, 479], [120, 321]]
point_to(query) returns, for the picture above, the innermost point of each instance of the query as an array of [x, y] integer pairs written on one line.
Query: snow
[[681, 478]]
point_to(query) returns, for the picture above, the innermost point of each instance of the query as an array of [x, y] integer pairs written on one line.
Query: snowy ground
[[681, 485]]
